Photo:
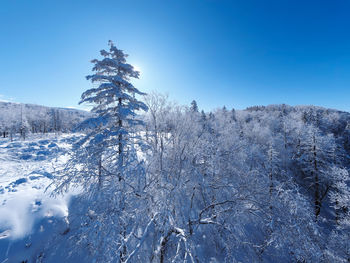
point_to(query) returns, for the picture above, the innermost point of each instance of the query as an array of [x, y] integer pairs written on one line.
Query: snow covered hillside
[[27, 211], [224, 186]]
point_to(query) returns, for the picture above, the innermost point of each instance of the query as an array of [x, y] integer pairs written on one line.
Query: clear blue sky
[[233, 53]]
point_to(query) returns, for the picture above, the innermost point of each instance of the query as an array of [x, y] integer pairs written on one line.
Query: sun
[[137, 68]]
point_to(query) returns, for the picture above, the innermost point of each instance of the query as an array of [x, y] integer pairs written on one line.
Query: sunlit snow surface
[[27, 210]]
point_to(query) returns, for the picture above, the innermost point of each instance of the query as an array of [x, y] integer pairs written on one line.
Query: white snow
[[26, 169]]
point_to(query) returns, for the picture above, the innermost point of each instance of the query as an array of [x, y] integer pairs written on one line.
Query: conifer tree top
[[112, 73]]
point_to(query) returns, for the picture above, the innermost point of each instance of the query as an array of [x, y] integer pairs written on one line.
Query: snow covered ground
[[27, 211]]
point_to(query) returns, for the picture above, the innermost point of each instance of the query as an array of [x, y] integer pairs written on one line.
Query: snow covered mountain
[[35, 118]]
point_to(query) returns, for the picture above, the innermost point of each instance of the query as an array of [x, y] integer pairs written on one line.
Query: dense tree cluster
[[176, 184]]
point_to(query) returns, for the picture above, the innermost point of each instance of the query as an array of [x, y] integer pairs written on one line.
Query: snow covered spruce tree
[[104, 162], [114, 103]]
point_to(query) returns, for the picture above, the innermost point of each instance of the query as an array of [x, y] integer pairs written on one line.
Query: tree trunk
[[120, 138], [100, 171], [317, 183]]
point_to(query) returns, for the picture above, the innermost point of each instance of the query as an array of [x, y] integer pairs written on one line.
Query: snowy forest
[[155, 181], [24, 118]]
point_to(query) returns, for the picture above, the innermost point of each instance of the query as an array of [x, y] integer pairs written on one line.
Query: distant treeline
[[29, 118]]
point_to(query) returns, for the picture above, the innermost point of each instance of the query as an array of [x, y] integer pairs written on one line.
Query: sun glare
[[137, 68]]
